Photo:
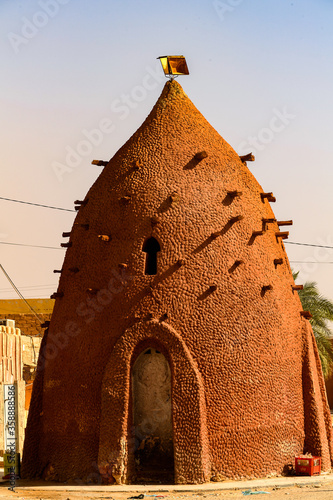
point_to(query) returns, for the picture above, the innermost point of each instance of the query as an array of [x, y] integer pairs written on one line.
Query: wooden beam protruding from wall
[[124, 200], [236, 219], [74, 270], [248, 157], [235, 265], [104, 237], [282, 234], [136, 165], [174, 197], [201, 155], [269, 196], [265, 289], [284, 222], [266, 221], [79, 203], [234, 194], [99, 163]]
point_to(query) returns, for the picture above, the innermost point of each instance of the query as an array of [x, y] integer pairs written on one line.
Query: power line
[[307, 244], [31, 288], [37, 204], [32, 297], [33, 246], [70, 210], [20, 294], [60, 248], [308, 262]]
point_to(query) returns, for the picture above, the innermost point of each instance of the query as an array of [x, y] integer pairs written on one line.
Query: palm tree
[[322, 313]]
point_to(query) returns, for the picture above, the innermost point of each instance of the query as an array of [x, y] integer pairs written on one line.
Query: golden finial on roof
[[174, 66]]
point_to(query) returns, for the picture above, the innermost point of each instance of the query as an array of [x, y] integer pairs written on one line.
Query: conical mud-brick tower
[[178, 349]]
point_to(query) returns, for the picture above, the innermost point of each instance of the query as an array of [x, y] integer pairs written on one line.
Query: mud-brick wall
[[28, 323], [30, 353], [30, 350]]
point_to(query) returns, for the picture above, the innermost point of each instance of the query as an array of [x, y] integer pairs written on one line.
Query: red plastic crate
[[309, 466]]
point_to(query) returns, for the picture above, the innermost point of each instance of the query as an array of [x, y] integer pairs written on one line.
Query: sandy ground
[[316, 491]]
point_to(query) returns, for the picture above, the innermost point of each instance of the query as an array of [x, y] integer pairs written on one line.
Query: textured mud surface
[[247, 390]]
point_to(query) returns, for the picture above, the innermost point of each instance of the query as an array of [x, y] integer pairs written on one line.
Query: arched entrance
[[117, 444], [152, 420]]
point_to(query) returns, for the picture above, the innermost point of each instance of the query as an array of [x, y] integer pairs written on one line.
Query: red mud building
[[178, 348]]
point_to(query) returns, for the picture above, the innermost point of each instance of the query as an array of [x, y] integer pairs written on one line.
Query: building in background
[[20, 338], [25, 320]]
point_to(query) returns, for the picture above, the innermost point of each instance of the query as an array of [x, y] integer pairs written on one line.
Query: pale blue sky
[[69, 64]]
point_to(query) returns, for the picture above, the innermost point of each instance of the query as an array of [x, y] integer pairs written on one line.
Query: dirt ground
[[318, 491]]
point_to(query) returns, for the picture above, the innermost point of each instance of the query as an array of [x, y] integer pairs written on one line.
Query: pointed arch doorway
[[117, 447], [152, 418]]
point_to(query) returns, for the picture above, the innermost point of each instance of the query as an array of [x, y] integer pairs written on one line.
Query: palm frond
[[321, 309]]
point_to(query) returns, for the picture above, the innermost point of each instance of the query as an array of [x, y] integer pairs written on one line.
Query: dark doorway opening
[[151, 246], [151, 390]]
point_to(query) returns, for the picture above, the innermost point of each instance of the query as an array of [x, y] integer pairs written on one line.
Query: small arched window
[[151, 246]]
